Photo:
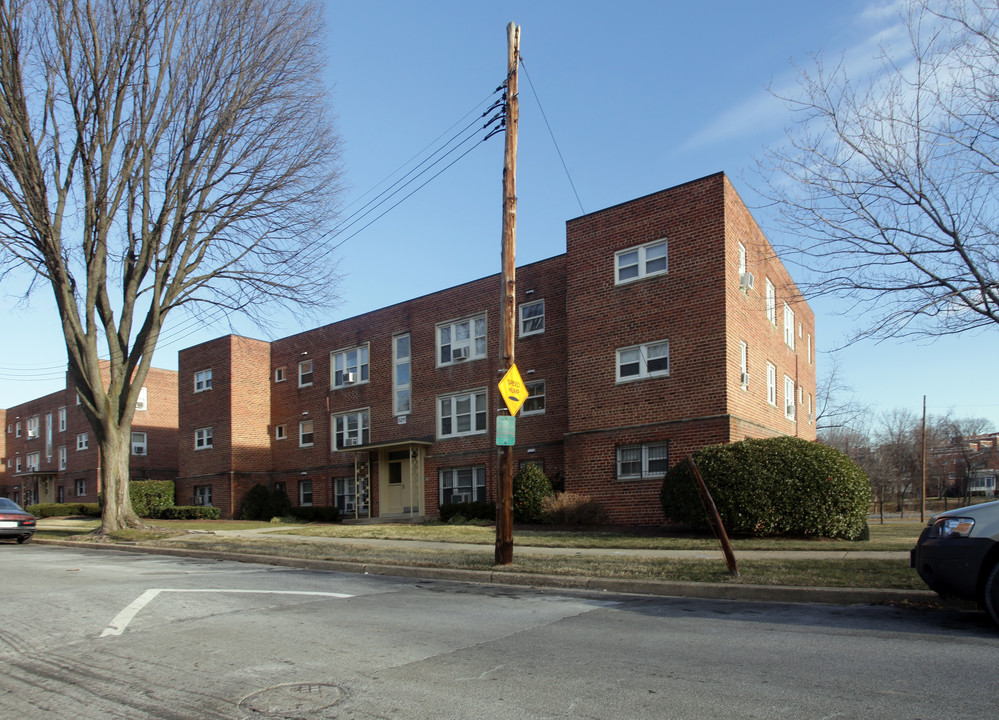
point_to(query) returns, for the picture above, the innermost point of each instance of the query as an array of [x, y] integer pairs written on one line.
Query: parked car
[[957, 555], [15, 522]]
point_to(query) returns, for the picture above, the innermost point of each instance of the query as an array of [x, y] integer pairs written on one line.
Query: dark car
[[957, 555], [15, 522]]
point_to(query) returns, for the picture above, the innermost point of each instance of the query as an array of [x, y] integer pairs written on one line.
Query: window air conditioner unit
[[746, 281], [349, 378], [459, 353], [744, 379], [789, 410], [811, 418], [460, 498], [349, 442]]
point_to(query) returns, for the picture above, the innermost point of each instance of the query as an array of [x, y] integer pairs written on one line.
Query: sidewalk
[[744, 592]]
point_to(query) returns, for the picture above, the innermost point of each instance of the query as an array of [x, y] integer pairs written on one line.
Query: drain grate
[[292, 701]]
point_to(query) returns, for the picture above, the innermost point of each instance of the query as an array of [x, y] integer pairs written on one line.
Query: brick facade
[[608, 425], [69, 459]]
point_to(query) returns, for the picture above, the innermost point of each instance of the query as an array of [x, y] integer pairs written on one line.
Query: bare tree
[[156, 155], [836, 403], [888, 182]]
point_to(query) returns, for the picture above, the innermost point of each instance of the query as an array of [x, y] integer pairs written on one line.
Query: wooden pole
[[504, 485], [922, 494]]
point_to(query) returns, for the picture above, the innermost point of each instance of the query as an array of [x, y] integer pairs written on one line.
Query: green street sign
[[506, 429]]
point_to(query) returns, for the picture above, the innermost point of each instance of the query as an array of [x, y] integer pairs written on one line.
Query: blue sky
[[640, 96]]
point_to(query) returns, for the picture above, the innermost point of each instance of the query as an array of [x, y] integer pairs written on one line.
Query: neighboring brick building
[[669, 324], [50, 454]]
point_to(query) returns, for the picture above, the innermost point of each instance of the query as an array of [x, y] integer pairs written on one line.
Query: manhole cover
[[292, 701]]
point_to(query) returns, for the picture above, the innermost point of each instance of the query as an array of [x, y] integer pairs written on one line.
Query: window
[[643, 361], [771, 303], [33, 426], [17, 464], [203, 438], [771, 384], [788, 326], [641, 262], [305, 433], [467, 484], [350, 429], [809, 348], [350, 366], [811, 418], [744, 364], [305, 373], [48, 437], [401, 376], [463, 414], [202, 381], [203, 495], [345, 494], [461, 340], [139, 443], [305, 492], [82, 441], [32, 461], [742, 261], [279, 433], [141, 402], [535, 403], [62, 457], [532, 318], [788, 398], [649, 460], [80, 487], [17, 429], [62, 419], [279, 375]]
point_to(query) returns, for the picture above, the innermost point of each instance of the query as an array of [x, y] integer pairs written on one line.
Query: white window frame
[[772, 384], [638, 258], [645, 459], [140, 443], [306, 429], [17, 429], [475, 345], [788, 326], [34, 427], [80, 487], [62, 419], [305, 370], [478, 413], [342, 430], [771, 300], [349, 360], [82, 441], [742, 261], [809, 348], [17, 464], [203, 495], [142, 402], [402, 361], [639, 355], [279, 374], [302, 484], [744, 365], [203, 380], [63, 455], [532, 322], [535, 403], [448, 481], [280, 433], [32, 461], [788, 398], [345, 494], [204, 439]]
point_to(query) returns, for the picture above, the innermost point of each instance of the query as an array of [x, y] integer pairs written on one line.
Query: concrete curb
[[712, 591]]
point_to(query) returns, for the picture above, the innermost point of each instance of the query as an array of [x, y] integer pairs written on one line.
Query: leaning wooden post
[[715, 519]]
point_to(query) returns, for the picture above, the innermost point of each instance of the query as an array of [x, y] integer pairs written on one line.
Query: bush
[[315, 513], [572, 509], [530, 487], [776, 486], [45, 510], [462, 512], [191, 512], [151, 497], [263, 504]]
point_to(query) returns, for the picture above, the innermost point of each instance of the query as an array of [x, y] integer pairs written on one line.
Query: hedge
[[772, 487], [149, 497], [45, 510], [315, 513], [190, 512], [468, 511]]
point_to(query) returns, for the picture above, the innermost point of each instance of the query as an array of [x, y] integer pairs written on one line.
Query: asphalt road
[[91, 634]]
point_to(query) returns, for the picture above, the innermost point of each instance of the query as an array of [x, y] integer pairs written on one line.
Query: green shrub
[[776, 486], [263, 504], [572, 509], [45, 510], [151, 497], [530, 487], [315, 513], [462, 512], [191, 512]]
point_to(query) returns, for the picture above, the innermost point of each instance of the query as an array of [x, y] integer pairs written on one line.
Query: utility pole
[[504, 485], [922, 502]]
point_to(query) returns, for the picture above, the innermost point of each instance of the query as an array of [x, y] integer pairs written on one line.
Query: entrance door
[[399, 484]]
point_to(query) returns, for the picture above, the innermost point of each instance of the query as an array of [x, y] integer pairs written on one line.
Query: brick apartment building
[[50, 454], [668, 324], [966, 465]]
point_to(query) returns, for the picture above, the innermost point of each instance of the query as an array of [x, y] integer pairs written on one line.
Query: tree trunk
[[116, 451]]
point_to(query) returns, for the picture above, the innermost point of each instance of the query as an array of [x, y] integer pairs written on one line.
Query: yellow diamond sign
[[512, 389]]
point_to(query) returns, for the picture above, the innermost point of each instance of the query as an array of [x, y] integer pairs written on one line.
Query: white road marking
[[122, 619]]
